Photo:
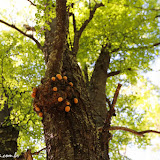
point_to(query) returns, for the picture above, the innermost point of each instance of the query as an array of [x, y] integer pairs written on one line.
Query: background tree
[[100, 47]]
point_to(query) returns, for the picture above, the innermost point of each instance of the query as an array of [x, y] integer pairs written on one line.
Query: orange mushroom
[[65, 78], [53, 78], [37, 108], [75, 100], [34, 89], [40, 114], [55, 89], [59, 76], [67, 103], [33, 95], [71, 84], [67, 108], [60, 99]]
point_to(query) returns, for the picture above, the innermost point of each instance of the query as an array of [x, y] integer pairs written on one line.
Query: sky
[[132, 152]]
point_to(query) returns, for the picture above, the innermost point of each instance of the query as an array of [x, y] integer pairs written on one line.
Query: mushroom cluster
[[57, 93]]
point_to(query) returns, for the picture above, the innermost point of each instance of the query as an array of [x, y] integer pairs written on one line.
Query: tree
[[98, 46]]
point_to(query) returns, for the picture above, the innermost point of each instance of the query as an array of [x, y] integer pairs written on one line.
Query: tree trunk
[[73, 135], [8, 136], [70, 135]]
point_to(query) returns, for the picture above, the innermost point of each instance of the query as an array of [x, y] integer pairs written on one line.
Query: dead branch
[[116, 95], [133, 131], [111, 112], [27, 35], [84, 25]]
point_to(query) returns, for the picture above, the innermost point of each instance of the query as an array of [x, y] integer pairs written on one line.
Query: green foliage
[[129, 27], [21, 69]]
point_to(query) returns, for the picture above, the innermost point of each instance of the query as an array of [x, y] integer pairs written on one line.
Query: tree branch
[[74, 23], [109, 102], [114, 73], [116, 95], [36, 153], [97, 87], [133, 131], [156, 44], [79, 33], [27, 35], [32, 3], [112, 110]]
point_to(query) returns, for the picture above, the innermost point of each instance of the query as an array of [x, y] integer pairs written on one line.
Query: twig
[[133, 131], [36, 153], [27, 35], [32, 3]]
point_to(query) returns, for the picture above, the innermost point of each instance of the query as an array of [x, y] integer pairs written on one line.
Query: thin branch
[[27, 35], [112, 110], [90, 17], [32, 3], [84, 25], [116, 95], [133, 131], [36, 153], [157, 16], [109, 102], [92, 12], [156, 44], [114, 73], [74, 23]]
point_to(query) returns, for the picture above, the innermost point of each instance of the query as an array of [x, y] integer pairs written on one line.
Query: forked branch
[[20, 31], [133, 131], [84, 25]]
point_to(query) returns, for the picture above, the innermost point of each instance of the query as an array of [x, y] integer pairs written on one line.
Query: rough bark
[[98, 86], [54, 64], [73, 135], [8, 136]]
